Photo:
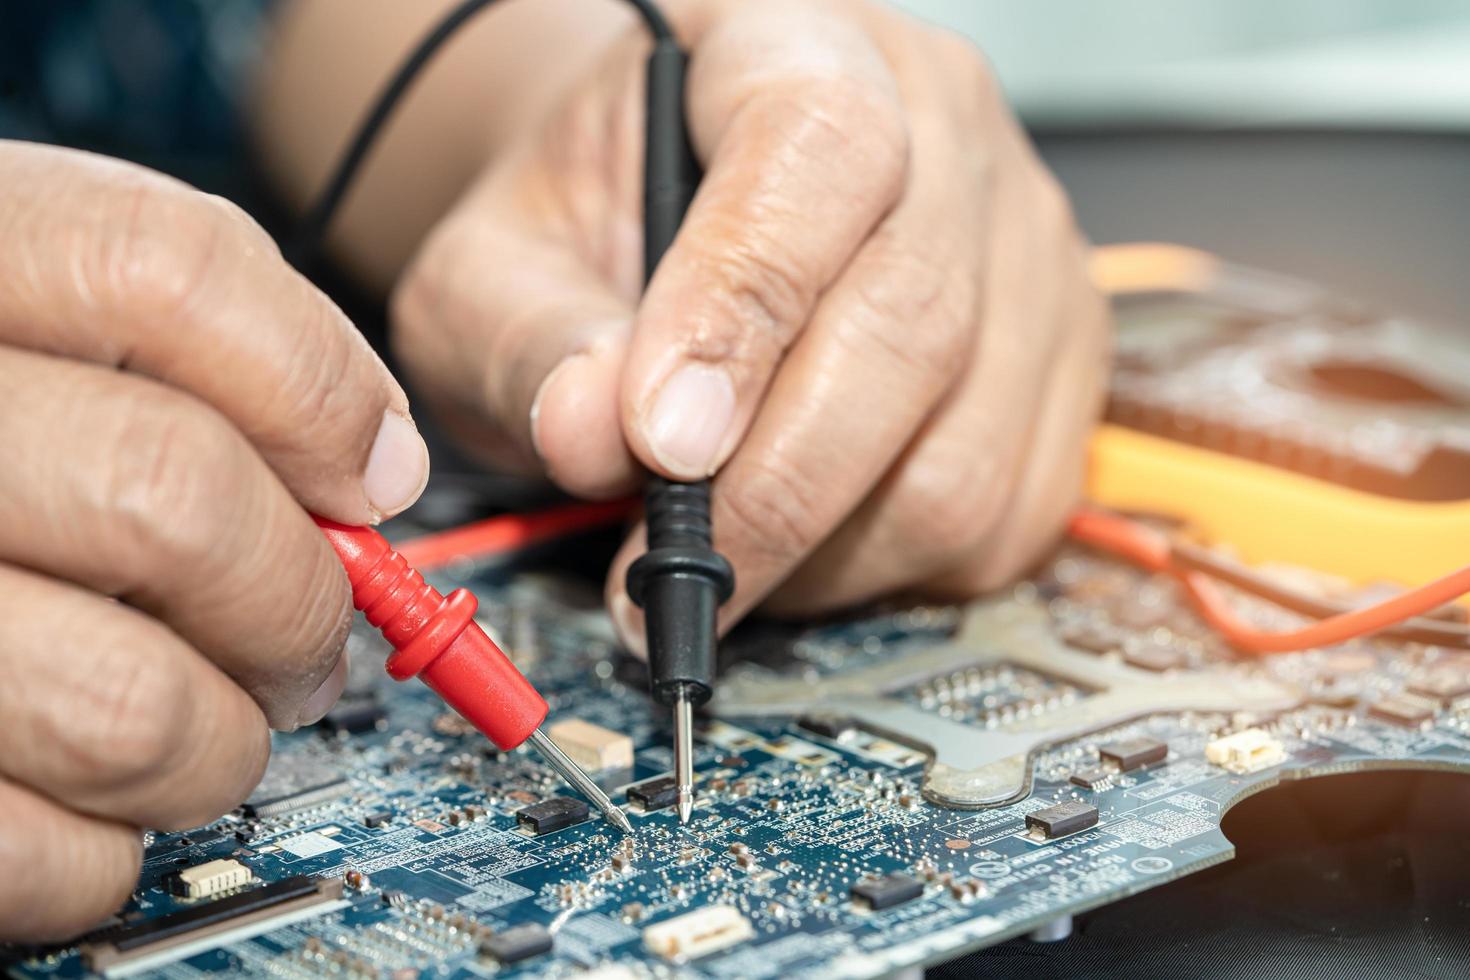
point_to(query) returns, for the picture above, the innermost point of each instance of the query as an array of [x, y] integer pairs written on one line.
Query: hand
[[875, 325], [177, 394]]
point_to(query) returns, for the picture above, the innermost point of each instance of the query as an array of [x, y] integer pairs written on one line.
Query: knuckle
[[170, 237], [412, 297], [1050, 203], [761, 298], [420, 290], [135, 722], [409, 306], [323, 393], [816, 120], [968, 75], [772, 512], [421, 322], [919, 310], [964, 62], [948, 511], [225, 786], [855, 119], [169, 483]]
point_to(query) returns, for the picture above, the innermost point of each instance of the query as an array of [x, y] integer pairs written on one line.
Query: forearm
[[327, 59]]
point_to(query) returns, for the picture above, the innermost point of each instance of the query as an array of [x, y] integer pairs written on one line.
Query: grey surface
[[1391, 63], [1385, 217]]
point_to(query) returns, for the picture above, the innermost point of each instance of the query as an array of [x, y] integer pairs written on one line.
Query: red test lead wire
[[436, 638]]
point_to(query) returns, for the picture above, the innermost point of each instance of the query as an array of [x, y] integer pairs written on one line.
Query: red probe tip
[[436, 638]]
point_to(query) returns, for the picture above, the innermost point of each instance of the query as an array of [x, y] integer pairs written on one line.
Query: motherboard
[[878, 792]]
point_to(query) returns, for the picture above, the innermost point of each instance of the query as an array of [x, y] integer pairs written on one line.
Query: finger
[[970, 490], [886, 344], [111, 263], [142, 492], [806, 147], [520, 340], [60, 872], [1050, 486], [110, 714]]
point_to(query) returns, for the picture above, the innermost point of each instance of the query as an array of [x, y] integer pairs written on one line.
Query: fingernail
[[317, 706], [690, 420], [397, 466], [628, 622]]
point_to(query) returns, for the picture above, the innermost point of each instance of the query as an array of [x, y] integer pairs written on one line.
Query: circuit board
[[879, 792], [820, 832]]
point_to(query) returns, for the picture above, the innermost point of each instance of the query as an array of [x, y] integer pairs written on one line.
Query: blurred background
[[1325, 138]]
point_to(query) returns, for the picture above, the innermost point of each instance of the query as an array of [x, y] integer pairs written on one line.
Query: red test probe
[[437, 639]]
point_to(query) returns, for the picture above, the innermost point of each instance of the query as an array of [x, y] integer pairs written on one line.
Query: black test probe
[[681, 581]]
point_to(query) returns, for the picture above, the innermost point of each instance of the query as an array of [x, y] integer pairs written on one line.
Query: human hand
[[178, 396], [875, 325]]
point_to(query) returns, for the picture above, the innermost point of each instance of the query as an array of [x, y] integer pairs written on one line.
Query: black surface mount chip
[[551, 815], [827, 724], [1090, 778], [654, 794], [1065, 818], [353, 716], [1133, 753], [517, 943], [887, 891]]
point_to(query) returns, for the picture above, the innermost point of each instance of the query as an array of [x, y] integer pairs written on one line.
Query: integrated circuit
[[887, 891], [548, 816], [658, 793], [1443, 683], [1407, 710], [1133, 753], [1067, 817], [353, 716], [517, 943], [828, 724], [1093, 777]]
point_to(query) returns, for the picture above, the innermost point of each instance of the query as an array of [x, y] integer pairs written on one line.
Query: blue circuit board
[[414, 818]]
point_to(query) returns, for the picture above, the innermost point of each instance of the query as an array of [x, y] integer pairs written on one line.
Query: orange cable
[[1150, 549]]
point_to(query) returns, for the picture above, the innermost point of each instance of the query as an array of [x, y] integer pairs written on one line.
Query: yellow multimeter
[[1262, 511]]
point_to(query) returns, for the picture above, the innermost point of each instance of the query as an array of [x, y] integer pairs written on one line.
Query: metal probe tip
[[579, 780], [684, 754]]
